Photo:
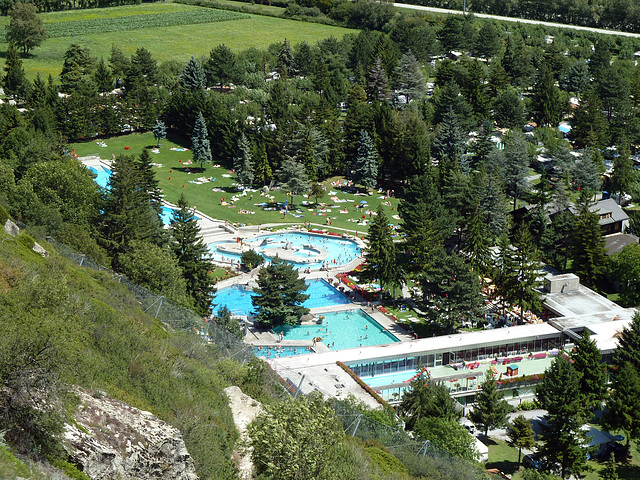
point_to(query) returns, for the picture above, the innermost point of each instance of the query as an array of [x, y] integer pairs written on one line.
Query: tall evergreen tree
[[103, 77], [521, 435], [146, 64], [623, 178], [279, 296], [193, 77], [381, 254], [449, 146], [292, 176], [262, 173], [286, 64], [425, 399], [477, 239], [411, 82], [547, 101], [623, 404], [588, 253], [378, 82], [129, 212], [366, 171], [490, 410], [516, 166], [193, 256], [628, 350], [14, 82], [564, 441], [221, 67], [159, 131], [586, 174], [242, 161], [587, 360], [200, 142], [521, 282]]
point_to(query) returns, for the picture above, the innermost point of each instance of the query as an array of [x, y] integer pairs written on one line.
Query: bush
[[26, 240], [251, 259], [528, 405], [4, 215]]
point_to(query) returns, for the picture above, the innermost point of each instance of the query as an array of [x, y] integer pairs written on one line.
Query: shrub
[[4, 215], [251, 259], [528, 405], [26, 240]]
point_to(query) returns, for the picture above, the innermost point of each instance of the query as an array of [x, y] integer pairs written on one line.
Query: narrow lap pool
[[275, 351]]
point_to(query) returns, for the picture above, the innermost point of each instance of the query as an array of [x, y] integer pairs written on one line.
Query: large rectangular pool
[[238, 298], [341, 330]]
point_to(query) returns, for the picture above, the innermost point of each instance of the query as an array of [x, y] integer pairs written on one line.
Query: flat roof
[[582, 301], [447, 343], [606, 334]]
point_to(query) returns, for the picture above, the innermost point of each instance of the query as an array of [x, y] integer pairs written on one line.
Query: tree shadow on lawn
[[505, 466], [628, 470]]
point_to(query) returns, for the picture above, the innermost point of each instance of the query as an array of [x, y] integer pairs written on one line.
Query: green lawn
[[167, 43], [173, 175]]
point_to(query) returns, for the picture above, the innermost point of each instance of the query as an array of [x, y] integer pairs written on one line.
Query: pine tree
[[147, 65], [285, 66], [547, 102], [610, 471], [449, 147], [411, 82], [159, 131], [516, 166], [310, 147], [193, 77], [623, 404], [477, 239], [493, 204], [148, 181], [623, 177], [129, 212], [221, 66], [378, 82], [521, 280], [103, 77], [588, 253], [426, 399], [279, 296], [564, 442], [14, 82], [587, 360], [192, 255], [366, 171], [490, 410], [242, 161], [521, 435], [262, 173], [628, 350], [118, 63], [381, 254], [200, 142], [292, 176], [586, 174], [226, 321]]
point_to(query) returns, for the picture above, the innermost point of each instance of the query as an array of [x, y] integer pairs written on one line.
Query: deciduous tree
[[25, 28]]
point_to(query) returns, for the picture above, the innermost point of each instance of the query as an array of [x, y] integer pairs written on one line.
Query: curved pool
[[299, 248]]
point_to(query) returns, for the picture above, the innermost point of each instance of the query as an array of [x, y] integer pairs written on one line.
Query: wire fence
[[406, 446]]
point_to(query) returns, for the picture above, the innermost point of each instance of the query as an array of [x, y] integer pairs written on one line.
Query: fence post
[[82, 257], [299, 386], [159, 305]]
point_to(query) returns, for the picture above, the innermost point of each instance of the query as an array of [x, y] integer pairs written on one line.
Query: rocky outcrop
[[11, 228], [245, 409], [112, 440]]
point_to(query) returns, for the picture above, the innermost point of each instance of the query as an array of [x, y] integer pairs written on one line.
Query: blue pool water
[[340, 251], [276, 351], [238, 298], [102, 175], [389, 378], [102, 179], [340, 330]]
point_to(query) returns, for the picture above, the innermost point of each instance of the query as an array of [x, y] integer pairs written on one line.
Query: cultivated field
[[169, 31]]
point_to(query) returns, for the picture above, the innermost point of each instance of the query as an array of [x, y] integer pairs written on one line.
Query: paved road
[[519, 20]]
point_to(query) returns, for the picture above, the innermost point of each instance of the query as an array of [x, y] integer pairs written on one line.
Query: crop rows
[[133, 22]]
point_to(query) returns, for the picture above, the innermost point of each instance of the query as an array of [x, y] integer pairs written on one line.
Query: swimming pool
[[390, 378], [102, 175], [312, 250], [102, 178], [238, 298], [276, 351], [341, 330]]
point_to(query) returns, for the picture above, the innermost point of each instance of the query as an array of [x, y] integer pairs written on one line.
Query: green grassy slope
[[176, 42], [99, 338]]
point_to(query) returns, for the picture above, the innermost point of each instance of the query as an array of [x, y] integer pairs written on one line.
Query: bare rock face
[[112, 440], [11, 228]]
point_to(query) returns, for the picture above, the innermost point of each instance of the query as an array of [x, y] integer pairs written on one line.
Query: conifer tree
[[610, 471], [279, 296], [14, 82], [588, 253], [477, 239], [103, 77], [285, 66], [129, 212], [366, 171], [292, 176], [490, 410], [148, 181], [587, 360], [262, 173], [521, 435], [547, 102], [426, 399], [381, 254], [623, 404], [221, 66], [623, 178], [449, 147], [564, 441], [586, 174], [200, 141], [378, 82], [193, 77], [516, 166], [159, 131], [628, 350], [242, 161], [192, 254], [411, 82]]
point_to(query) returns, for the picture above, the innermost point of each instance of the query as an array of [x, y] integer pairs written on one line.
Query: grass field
[[176, 42], [209, 201]]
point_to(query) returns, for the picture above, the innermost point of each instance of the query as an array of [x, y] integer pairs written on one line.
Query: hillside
[[64, 325]]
